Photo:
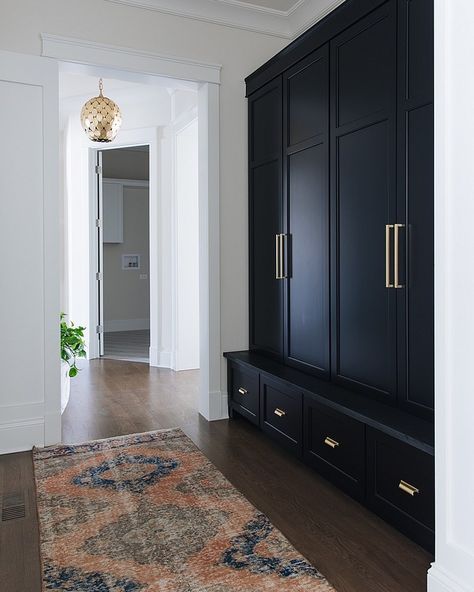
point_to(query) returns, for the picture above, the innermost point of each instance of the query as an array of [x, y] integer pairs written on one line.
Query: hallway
[[112, 397], [356, 550]]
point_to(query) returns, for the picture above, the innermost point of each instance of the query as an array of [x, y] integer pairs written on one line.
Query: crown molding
[[286, 24], [308, 12], [70, 49]]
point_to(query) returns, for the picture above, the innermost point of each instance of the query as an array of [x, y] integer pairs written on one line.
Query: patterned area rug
[[149, 512]]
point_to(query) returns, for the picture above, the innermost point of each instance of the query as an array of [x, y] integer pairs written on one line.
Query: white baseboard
[[440, 580], [126, 325], [21, 435], [161, 359], [218, 406]]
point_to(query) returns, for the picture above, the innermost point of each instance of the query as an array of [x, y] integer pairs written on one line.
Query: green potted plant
[[73, 347]]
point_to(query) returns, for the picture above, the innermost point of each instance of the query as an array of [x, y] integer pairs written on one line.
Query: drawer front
[[245, 394], [335, 446], [401, 486], [282, 413]]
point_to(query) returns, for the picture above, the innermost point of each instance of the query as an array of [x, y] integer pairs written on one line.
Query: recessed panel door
[[306, 198], [364, 203], [265, 219]]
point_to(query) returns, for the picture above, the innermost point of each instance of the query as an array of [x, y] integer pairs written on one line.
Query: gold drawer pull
[[279, 412], [407, 488], [243, 391], [330, 442]]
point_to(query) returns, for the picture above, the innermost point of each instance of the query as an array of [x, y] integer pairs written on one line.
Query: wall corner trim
[[217, 407], [81, 51]]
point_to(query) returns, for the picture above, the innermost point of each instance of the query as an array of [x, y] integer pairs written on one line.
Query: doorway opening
[[123, 258], [133, 256]]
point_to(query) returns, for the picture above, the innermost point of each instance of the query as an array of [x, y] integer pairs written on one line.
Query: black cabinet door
[[306, 213], [416, 205], [265, 218], [363, 185]]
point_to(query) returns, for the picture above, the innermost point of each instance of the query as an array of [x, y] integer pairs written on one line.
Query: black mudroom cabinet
[[341, 363]]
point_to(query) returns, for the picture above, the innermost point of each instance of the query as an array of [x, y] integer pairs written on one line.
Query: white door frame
[[127, 138], [212, 402]]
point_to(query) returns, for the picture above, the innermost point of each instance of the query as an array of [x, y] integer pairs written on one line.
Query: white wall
[[239, 52], [453, 570]]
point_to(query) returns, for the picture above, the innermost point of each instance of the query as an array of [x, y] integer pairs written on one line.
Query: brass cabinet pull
[[396, 255], [277, 256], [280, 273], [279, 412], [282, 256], [407, 488], [388, 228], [243, 391], [330, 442]]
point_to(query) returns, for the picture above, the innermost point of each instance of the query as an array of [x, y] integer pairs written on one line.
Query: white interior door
[[29, 246]]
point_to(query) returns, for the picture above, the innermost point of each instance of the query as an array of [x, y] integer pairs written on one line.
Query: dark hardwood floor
[[355, 550]]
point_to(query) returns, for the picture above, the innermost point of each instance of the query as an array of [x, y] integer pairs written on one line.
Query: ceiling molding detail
[[286, 24]]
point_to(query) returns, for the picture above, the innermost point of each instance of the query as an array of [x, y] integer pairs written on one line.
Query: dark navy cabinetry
[[341, 255]]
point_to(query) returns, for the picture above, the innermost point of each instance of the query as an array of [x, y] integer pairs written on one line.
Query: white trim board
[[80, 51], [22, 435], [286, 24]]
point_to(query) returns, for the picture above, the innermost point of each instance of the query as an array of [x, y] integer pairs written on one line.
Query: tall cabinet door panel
[[363, 168], [306, 213], [265, 218], [416, 205]]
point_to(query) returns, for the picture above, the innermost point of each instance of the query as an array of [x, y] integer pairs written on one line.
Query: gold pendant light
[[101, 118]]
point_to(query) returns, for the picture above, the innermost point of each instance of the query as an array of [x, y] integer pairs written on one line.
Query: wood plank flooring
[[354, 549], [133, 346]]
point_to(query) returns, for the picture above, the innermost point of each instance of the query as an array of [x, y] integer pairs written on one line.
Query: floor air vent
[[13, 506]]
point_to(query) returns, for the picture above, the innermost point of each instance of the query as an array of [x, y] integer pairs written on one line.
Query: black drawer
[[244, 393], [334, 444], [400, 486], [281, 409]]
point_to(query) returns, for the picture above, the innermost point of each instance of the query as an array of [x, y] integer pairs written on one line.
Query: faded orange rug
[[149, 512]]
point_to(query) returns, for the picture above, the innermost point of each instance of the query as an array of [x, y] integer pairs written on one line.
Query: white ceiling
[[281, 18]]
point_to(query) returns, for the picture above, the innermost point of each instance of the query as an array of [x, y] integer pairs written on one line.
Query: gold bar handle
[[282, 256], [277, 256], [388, 228], [396, 255], [279, 412], [243, 391], [330, 442], [407, 488]]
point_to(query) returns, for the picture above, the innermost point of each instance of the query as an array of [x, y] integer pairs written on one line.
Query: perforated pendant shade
[[101, 118]]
